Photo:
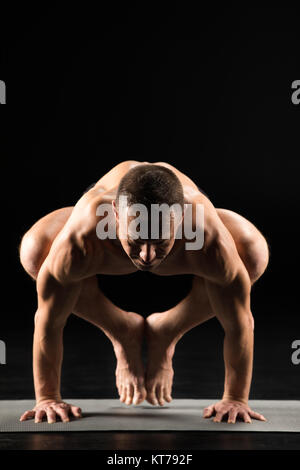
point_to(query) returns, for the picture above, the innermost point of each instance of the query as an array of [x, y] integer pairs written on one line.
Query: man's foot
[[130, 369], [161, 348]]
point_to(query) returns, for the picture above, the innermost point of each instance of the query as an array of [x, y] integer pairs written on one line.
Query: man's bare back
[[69, 255]]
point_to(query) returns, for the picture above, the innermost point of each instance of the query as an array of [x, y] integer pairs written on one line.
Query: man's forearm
[[47, 359], [238, 358]]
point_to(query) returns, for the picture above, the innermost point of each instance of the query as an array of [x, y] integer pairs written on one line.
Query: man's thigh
[[239, 227]]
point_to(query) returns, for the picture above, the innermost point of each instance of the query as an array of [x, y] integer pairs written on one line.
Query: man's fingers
[[62, 412], [59, 409], [51, 415], [255, 415], [208, 411], [232, 415], [76, 411], [222, 409], [245, 416], [27, 415], [219, 416], [39, 414]]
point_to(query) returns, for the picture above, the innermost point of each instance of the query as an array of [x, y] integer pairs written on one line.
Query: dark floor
[[88, 372], [123, 441]]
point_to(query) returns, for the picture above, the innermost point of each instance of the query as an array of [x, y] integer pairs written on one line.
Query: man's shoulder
[[71, 255], [200, 216], [79, 247], [93, 206], [217, 260]]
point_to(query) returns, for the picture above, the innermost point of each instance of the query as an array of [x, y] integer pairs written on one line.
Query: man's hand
[[233, 409], [52, 409]]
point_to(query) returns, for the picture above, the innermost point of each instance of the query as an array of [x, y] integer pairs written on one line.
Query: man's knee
[[255, 256], [32, 253]]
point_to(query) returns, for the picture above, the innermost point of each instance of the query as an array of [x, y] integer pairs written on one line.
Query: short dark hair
[[151, 184]]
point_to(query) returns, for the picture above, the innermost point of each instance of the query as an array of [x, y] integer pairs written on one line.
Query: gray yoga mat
[[179, 415]]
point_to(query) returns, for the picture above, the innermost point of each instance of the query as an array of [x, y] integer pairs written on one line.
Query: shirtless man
[[63, 253]]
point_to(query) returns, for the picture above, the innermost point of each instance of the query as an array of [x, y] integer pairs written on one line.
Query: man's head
[[150, 186]]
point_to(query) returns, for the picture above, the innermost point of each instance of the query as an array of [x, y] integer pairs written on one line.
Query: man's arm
[[58, 288], [231, 305], [228, 288], [55, 304]]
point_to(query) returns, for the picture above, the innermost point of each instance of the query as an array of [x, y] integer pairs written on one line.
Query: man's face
[[145, 253]]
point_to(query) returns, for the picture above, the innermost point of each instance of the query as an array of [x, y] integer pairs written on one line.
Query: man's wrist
[[235, 398], [48, 398]]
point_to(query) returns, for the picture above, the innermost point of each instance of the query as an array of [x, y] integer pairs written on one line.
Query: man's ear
[[115, 209]]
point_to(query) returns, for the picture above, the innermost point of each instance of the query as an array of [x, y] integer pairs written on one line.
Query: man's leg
[[37, 241], [164, 329], [124, 329], [250, 242]]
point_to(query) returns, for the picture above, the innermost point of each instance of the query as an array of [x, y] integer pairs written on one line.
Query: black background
[[208, 91]]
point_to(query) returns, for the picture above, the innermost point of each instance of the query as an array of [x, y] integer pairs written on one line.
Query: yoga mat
[[179, 415]]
